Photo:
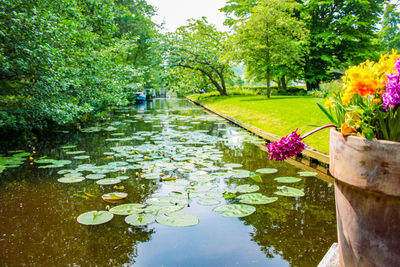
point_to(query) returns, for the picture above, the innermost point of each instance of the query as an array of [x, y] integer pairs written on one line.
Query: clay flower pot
[[367, 191]]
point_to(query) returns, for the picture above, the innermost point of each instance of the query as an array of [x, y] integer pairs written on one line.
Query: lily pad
[[287, 180], [140, 219], [289, 191], [307, 174], [246, 188], [163, 209], [267, 170], [235, 210], [178, 219], [256, 198], [108, 181], [127, 209], [81, 157], [208, 202], [95, 217], [240, 173], [22, 154], [256, 177], [114, 197], [70, 180], [45, 161], [74, 152], [233, 165], [68, 146], [95, 176], [122, 177]]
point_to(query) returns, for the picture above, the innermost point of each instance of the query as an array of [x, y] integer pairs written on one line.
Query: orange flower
[[351, 121], [347, 130]]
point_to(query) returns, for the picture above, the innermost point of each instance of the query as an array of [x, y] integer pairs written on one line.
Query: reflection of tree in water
[[40, 227], [301, 231]]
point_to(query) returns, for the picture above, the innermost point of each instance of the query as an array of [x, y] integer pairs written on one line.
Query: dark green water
[[38, 214]]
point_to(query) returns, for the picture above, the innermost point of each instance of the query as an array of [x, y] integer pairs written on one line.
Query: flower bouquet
[[367, 106]]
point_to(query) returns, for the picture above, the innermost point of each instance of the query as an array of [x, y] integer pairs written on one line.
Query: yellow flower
[[328, 102]]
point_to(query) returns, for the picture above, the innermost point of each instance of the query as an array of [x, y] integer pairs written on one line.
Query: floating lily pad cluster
[[16, 159], [178, 156]]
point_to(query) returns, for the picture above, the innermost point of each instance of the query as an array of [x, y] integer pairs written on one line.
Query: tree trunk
[[283, 82], [223, 86], [312, 85], [268, 82], [279, 83]]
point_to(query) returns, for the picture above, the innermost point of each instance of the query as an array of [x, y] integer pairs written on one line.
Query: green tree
[[342, 32], [238, 11], [200, 47], [62, 59], [271, 44], [390, 33]]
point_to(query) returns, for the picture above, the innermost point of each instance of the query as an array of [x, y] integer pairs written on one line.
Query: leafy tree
[[238, 11], [390, 33], [271, 44], [341, 33], [62, 59], [200, 47]]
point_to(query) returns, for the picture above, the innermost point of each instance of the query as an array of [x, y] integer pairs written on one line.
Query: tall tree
[[341, 33], [390, 33], [200, 47], [270, 41], [238, 11]]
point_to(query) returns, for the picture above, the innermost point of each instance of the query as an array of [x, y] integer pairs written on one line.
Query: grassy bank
[[278, 115]]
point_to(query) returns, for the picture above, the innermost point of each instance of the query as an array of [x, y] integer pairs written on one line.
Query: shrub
[[327, 89]]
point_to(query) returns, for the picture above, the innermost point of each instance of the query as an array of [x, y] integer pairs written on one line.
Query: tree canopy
[[200, 47], [272, 43], [62, 59]]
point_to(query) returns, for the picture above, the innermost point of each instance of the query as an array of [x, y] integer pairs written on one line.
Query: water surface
[[38, 214]]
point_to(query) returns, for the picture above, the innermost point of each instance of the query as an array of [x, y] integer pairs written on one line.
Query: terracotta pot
[[367, 191]]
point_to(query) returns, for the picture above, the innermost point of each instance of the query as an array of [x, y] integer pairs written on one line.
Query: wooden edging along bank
[[310, 155]]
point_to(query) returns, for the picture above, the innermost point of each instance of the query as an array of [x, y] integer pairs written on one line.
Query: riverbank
[[275, 117]]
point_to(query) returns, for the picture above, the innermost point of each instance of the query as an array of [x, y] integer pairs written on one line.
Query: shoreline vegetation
[[277, 115]]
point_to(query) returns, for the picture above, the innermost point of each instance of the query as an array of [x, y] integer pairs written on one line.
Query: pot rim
[[351, 137]]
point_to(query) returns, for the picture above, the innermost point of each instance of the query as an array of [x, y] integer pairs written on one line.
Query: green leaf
[[178, 219], [140, 219], [208, 202], [235, 210], [69, 180], [94, 217], [256, 198], [307, 174], [327, 114], [267, 170], [246, 188], [108, 181], [240, 174], [289, 191], [287, 179], [127, 209]]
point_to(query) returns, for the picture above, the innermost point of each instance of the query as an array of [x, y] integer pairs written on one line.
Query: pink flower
[[287, 147], [391, 98]]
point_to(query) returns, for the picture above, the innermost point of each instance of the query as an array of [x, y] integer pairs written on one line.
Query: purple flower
[[287, 147], [391, 98]]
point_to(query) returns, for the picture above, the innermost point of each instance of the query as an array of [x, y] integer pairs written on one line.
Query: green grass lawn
[[278, 115]]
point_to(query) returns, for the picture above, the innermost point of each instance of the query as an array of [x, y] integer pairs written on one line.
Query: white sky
[[175, 12]]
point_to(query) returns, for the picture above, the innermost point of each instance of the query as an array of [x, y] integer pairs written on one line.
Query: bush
[[327, 89], [199, 97]]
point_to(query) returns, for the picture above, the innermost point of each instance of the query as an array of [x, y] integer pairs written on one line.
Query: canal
[[170, 157]]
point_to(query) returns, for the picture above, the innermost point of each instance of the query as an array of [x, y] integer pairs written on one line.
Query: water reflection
[[39, 214]]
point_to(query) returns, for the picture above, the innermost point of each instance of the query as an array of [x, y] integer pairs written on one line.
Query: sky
[[175, 12]]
